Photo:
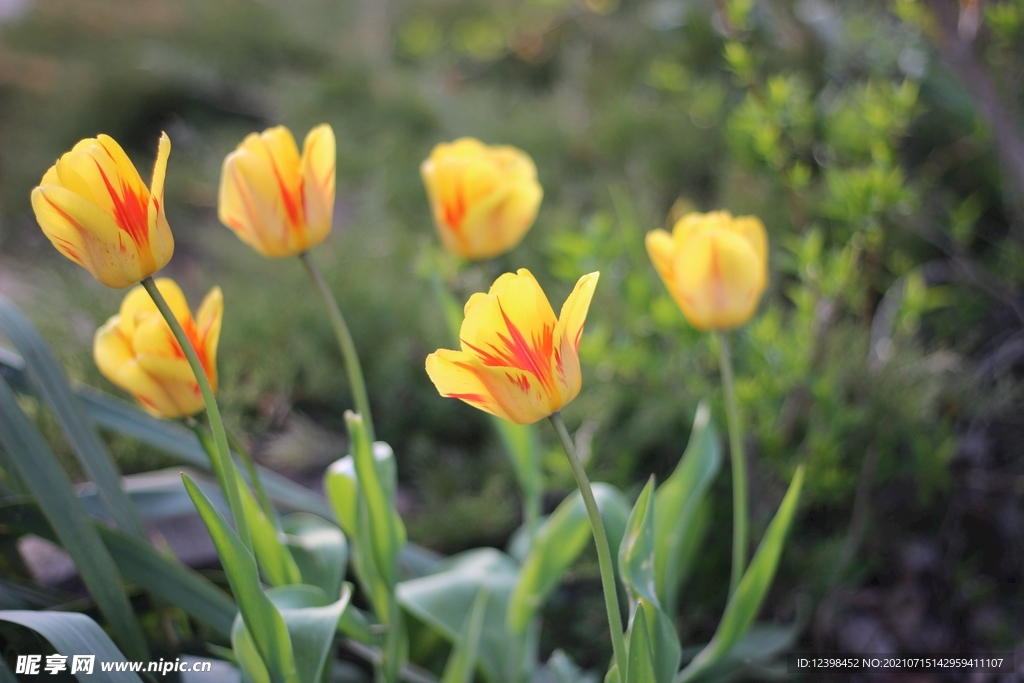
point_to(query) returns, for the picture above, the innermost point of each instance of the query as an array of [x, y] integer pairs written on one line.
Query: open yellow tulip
[[517, 360], [277, 202], [95, 209], [484, 198], [714, 266], [136, 350]]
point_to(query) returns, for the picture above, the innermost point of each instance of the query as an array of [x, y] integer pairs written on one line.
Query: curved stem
[[230, 483], [604, 555], [348, 347], [739, 465]]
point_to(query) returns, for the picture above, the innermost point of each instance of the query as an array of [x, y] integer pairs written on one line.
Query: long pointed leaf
[[746, 601], [640, 661], [38, 467], [262, 619], [636, 552], [559, 542], [72, 634], [51, 384], [677, 506]]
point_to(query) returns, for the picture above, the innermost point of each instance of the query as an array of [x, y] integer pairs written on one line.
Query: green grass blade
[[38, 468], [71, 634], [746, 601], [262, 619], [559, 542], [677, 506], [51, 384], [462, 660], [636, 551]]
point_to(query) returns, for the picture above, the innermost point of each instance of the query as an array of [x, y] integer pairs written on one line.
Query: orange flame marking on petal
[[522, 381], [532, 357], [455, 211], [291, 206], [130, 211], [194, 338]]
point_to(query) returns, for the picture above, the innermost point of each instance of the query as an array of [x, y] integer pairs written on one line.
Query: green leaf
[[312, 621], [640, 662], [383, 536], [462, 660], [178, 441], [678, 506], [559, 542], [636, 551], [341, 484], [746, 601], [664, 642], [262, 619], [320, 551], [51, 384], [274, 557], [561, 669], [38, 468], [141, 564], [444, 600], [72, 634]]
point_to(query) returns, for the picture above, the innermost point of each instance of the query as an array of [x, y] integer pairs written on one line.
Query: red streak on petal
[[522, 381], [292, 203], [131, 212], [473, 398]]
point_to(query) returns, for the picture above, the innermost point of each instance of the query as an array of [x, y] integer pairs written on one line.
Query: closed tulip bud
[[277, 202], [714, 266], [484, 199], [136, 350], [95, 209], [517, 361]]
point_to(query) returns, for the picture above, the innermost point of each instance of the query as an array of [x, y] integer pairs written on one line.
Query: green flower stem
[[348, 347], [230, 483], [604, 555], [739, 465], [261, 493]]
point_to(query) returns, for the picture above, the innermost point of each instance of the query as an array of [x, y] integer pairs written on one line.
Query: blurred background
[[879, 142]]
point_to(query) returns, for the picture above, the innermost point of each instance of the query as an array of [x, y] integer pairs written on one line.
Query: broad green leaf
[[72, 634], [678, 506], [383, 535], [261, 617], [761, 645], [246, 654], [445, 598], [320, 551], [640, 661], [664, 642], [462, 660], [312, 621], [143, 565], [559, 542], [355, 625], [746, 601], [636, 551], [341, 484], [35, 463], [51, 384]]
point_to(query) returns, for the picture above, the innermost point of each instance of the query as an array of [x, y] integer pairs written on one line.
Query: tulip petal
[[661, 250], [318, 184], [574, 311], [719, 279], [208, 322], [115, 359], [453, 374]]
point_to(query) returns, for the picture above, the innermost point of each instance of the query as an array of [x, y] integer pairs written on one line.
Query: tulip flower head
[[484, 199], [277, 202], [714, 266], [136, 350], [95, 209], [517, 361]]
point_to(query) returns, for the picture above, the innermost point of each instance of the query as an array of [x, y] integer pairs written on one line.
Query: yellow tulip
[[136, 350], [277, 202], [714, 266], [95, 209], [517, 360], [484, 198]]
